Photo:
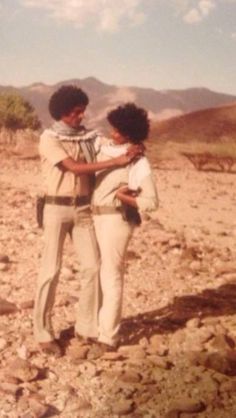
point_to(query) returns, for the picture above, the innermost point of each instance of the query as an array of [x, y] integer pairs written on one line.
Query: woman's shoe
[[105, 348], [51, 348]]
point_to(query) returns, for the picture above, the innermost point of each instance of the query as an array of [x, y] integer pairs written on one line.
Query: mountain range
[[161, 105]]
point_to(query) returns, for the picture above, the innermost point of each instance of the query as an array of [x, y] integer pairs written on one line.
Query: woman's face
[[118, 138]]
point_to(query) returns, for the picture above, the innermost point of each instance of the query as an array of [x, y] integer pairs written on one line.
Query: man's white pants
[[58, 221]]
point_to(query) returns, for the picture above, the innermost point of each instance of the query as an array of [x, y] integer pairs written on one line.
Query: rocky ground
[[177, 356]]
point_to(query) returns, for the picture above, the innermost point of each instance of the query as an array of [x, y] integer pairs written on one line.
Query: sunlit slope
[[212, 125]]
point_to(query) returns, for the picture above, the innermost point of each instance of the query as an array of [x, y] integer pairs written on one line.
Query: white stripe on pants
[[113, 235], [60, 220]]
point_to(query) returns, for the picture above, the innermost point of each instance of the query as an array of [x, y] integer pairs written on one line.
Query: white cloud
[[201, 10], [122, 94], [112, 15], [206, 6], [193, 16], [105, 15], [194, 11], [165, 114]]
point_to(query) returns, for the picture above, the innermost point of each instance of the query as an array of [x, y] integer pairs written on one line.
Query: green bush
[[16, 113]]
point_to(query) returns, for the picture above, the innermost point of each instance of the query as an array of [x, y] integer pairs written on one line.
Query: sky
[[161, 44]]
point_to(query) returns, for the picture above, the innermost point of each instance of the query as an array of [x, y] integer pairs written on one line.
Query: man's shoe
[[51, 348], [85, 340]]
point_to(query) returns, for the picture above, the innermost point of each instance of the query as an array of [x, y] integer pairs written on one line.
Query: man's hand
[[123, 160], [136, 151]]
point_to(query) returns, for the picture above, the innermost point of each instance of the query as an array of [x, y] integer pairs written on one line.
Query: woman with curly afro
[[121, 196]]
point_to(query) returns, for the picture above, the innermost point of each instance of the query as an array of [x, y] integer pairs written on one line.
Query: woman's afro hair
[[130, 121]]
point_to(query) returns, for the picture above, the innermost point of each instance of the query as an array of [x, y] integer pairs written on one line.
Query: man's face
[[75, 117]]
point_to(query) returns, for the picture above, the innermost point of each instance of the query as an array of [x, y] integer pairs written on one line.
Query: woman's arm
[[145, 198], [127, 196]]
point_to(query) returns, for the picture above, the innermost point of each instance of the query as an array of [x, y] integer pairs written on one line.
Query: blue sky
[[162, 44]]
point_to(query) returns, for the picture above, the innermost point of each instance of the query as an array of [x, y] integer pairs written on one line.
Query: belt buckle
[[73, 201], [76, 201]]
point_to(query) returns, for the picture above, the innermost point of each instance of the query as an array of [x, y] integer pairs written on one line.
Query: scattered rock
[[38, 408], [3, 344], [133, 351], [4, 259], [187, 405], [130, 376], [123, 407], [4, 267], [7, 307], [23, 352], [23, 370], [173, 414], [89, 369], [76, 406], [193, 323], [78, 353], [158, 345], [10, 388], [28, 304], [162, 363], [222, 342], [110, 356]]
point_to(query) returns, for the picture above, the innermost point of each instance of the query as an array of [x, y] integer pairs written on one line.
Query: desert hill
[[161, 104], [210, 126]]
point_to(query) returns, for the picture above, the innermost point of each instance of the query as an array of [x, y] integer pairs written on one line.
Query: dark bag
[[131, 215], [40, 202]]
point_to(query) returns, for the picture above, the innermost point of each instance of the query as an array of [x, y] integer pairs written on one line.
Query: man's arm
[[133, 153], [88, 168]]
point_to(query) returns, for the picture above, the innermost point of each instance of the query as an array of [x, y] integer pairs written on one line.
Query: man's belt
[[67, 200], [105, 210]]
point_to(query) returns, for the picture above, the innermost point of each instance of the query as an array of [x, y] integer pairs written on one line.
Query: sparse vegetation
[[220, 149], [210, 162], [204, 156], [16, 113]]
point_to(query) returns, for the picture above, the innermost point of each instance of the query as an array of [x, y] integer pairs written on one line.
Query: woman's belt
[[128, 213], [105, 210], [67, 200]]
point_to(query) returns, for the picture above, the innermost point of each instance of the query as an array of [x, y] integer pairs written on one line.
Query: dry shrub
[[204, 156], [23, 142]]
